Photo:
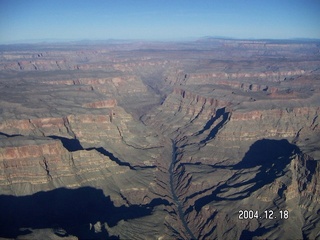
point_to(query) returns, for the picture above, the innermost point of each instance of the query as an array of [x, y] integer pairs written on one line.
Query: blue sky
[[22, 20]]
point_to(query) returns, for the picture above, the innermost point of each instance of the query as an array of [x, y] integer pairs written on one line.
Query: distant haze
[[27, 21]]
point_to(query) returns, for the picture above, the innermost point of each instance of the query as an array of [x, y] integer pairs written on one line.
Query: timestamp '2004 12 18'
[[267, 214]]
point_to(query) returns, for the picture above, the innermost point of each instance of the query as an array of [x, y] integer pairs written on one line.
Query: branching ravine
[[66, 124], [46, 168], [174, 194]]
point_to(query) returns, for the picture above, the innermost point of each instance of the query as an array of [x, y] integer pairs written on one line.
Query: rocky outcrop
[[304, 183]]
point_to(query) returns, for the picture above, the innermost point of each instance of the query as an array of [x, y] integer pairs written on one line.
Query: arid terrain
[[211, 139]]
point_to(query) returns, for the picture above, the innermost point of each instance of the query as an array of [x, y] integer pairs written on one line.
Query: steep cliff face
[[36, 126], [185, 113], [32, 164], [269, 123], [268, 76], [32, 161]]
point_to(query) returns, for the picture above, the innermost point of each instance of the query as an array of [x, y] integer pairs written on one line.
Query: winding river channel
[[173, 192]]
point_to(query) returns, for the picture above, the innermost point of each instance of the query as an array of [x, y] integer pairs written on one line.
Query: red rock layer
[[33, 161], [189, 95], [47, 126], [110, 103]]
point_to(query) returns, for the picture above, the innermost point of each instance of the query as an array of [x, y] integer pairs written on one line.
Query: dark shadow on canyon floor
[[73, 145], [268, 153], [8, 135], [220, 114], [70, 209], [271, 156], [246, 234], [70, 144], [209, 123], [110, 155]]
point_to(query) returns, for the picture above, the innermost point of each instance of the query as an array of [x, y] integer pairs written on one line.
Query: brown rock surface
[[160, 140]]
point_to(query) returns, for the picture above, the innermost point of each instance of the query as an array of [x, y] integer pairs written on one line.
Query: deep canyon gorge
[[209, 139]]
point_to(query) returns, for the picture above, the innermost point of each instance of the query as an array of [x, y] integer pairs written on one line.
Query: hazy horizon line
[[128, 40]]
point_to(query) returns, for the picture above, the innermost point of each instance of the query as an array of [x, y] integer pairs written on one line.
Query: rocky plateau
[[211, 139]]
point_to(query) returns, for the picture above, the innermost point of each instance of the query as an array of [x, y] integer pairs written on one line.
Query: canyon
[[207, 139]]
